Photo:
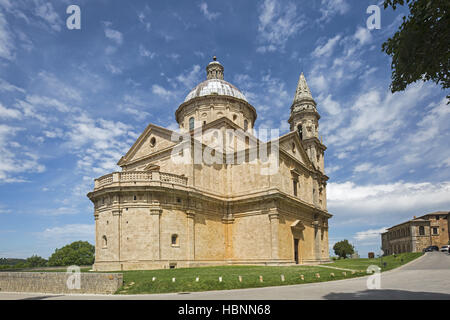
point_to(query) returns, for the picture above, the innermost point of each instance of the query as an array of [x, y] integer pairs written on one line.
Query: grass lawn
[[138, 282], [385, 263]]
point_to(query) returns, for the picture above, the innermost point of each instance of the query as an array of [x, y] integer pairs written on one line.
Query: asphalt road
[[425, 278]]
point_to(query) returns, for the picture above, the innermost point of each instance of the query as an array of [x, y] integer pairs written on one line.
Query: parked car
[[445, 248], [431, 248]]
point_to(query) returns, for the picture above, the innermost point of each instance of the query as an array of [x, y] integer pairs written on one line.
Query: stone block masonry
[[56, 282]]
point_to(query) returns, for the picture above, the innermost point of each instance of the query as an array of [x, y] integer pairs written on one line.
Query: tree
[[35, 261], [420, 48], [77, 253], [343, 248]]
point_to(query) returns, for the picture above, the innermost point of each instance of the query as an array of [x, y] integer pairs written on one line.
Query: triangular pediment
[[291, 144], [154, 139]]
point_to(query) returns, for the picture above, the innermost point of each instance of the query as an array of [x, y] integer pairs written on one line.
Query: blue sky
[[73, 101]]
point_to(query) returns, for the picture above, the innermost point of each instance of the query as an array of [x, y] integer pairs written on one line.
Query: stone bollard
[[318, 275], [332, 275], [173, 279], [302, 277], [240, 278], [260, 278], [220, 279], [282, 277]]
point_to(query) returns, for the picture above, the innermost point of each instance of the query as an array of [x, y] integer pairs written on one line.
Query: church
[[213, 192]]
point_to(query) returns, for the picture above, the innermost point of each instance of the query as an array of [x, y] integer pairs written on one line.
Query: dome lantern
[[214, 70]]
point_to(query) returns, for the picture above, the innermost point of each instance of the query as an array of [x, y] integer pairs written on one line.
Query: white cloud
[[376, 115], [9, 113], [277, 23], [15, 158], [387, 203], [112, 34], [209, 15], [45, 11], [114, 69], [363, 35], [98, 144], [146, 53], [190, 79], [48, 102], [6, 86], [53, 84], [143, 20], [6, 40], [330, 8], [326, 49], [68, 233], [371, 234], [163, 93]]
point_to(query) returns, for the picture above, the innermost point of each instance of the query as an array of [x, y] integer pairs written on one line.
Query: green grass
[[137, 282], [140, 282], [391, 262]]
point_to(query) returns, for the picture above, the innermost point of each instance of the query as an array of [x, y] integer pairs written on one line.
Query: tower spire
[[302, 93]]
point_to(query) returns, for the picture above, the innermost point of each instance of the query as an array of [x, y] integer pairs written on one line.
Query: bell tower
[[305, 120]]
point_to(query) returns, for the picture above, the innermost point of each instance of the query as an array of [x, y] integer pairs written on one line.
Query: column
[[274, 218], [190, 214], [118, 213], [155, 230]]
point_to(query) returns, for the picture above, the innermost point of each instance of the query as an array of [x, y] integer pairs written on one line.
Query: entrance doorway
[[296, 250]]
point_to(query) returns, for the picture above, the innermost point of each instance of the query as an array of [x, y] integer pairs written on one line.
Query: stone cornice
[[272, 194], [211, 99]]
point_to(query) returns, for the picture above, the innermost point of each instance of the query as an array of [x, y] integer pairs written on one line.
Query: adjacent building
[[417, 234], [162, 213]]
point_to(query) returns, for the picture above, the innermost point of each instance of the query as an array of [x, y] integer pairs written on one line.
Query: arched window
[[191, 123], [245, 125], [300, 131], [152, 142], [104, 242], [174, 240], [422, 230]]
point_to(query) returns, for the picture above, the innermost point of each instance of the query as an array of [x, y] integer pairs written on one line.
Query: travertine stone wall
[[56, 282]]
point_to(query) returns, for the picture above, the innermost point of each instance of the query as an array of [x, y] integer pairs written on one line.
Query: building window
[[234, 117], [435, 230], [300, 131], [422, 230], [191, 123], [437, 217], [134, 198], [152, 142], [294, 183], [245, 125], [174, 240], [104, 242]]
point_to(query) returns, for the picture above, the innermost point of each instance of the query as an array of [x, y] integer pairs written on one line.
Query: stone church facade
[[161, 213]]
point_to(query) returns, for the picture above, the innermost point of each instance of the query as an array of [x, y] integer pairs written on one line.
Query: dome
[[215, 86]]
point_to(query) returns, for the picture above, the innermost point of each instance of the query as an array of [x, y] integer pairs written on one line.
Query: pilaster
[[274, 218], [155, 211]]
